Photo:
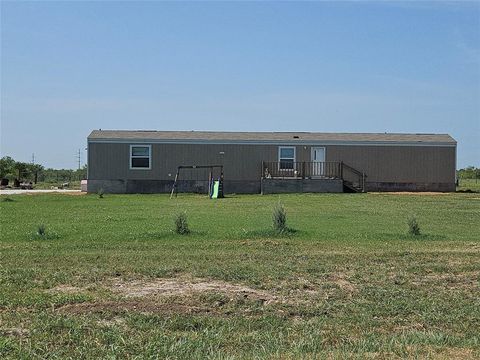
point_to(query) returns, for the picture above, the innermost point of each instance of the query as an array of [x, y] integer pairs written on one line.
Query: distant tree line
[[470, 172], [26, 172]]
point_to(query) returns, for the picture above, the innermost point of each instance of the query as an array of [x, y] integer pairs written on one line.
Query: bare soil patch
[[182, 287], [344, 284], [196, 296]]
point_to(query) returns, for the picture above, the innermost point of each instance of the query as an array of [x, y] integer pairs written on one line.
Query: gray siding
[[407, 164], [242, 163]]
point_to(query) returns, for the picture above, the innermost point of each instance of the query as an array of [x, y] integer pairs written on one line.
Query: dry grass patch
[[469, 280], [187, 287], [146, 306]]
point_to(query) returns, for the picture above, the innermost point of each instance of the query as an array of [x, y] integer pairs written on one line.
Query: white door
[[318, 161]]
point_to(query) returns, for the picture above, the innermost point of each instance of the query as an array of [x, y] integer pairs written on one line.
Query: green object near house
[[216, 187]]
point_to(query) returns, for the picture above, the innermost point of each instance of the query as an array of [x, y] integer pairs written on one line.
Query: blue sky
[[70, 67]]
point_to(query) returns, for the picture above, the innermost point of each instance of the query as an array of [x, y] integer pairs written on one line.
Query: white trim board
[[269, 142]]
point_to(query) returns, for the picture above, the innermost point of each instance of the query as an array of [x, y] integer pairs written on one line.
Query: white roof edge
[[273, 142]]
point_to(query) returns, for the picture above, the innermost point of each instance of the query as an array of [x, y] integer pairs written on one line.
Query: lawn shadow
[[421, 237], [169, 234], [267, 234]]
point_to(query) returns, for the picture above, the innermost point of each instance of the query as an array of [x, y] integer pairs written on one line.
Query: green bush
[[413, 227], [41, 233], [279, 218], [181, 224], [41, 230]]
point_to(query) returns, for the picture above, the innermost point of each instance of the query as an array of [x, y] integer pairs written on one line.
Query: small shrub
[[7, 199], [41, 233], [100, 193], [181, 224], [413, 227], [279, 219], [41, 230]]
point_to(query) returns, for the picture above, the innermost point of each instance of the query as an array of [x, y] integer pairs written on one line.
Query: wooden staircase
[[353, 179], [350, 187]]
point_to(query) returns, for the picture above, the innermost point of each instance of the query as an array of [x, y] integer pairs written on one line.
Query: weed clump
[[100, 193], [41, 230], [279, 219], [41, 233], [181, 224], [7, 199], [413, 227]]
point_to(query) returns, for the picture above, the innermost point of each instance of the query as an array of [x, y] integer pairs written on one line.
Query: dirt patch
[[344, 284], [186, 295], [182, 287]]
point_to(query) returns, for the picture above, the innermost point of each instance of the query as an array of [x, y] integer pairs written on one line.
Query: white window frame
[[132, 157], [294, 157]]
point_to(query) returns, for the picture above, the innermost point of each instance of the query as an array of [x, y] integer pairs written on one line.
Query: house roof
[[267, 137]]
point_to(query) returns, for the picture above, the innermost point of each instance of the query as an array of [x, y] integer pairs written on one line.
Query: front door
[[318, 161]]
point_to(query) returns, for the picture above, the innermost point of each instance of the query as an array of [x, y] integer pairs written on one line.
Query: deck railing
[[314, 170], [302, 170]]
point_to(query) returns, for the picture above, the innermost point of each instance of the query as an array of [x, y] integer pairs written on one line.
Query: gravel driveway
[[19, 191]]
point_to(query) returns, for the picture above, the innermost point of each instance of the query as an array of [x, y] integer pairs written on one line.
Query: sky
[[70, 67]]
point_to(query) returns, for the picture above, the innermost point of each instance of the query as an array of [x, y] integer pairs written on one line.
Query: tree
[[469, 172], [21, 170], [34, 170], [7, 167]]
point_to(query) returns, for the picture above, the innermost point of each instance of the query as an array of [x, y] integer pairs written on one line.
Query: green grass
[[72, 185], [348, 282], [469, 184]]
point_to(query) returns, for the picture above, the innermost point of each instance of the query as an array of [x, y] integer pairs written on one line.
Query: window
[[140, 157], [286, 157]]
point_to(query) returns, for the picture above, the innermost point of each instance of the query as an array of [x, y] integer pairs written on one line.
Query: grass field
[[111, 279], [469, 184]]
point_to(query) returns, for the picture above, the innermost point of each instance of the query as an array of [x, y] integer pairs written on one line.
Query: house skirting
[[165, 186], [265, 186], [281, 186], [394, 186]]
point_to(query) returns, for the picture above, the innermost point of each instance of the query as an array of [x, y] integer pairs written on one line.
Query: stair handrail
[[361, 175]]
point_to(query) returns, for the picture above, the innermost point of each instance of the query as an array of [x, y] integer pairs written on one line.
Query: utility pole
[[35, 174], [78, 157]]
